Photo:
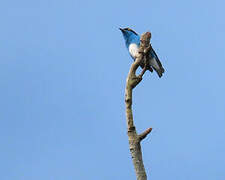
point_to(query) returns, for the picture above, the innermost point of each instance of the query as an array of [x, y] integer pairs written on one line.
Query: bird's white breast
[[133, 50]]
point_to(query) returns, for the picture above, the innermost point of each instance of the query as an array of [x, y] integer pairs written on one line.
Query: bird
[[132, 41]]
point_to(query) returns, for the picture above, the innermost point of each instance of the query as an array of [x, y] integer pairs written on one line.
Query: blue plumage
[[132, 41]]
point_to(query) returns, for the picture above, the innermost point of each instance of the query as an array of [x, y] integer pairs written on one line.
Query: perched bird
[[132, 41]]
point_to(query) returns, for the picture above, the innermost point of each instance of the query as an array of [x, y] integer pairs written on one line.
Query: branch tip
[[144, 134]]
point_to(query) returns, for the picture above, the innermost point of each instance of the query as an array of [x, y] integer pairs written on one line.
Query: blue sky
[[63, 66]]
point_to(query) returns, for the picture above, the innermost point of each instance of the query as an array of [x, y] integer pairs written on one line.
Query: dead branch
[[132, 81]]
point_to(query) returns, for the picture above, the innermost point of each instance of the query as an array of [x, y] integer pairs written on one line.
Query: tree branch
[[144, 134], [131, 83]]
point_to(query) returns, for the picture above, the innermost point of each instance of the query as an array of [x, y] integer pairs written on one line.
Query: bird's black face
[[124, 30]]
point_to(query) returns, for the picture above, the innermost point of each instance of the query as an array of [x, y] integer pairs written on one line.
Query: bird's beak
[[121, 29]]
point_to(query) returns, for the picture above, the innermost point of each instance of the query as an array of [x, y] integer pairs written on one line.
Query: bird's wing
[[155, 63]]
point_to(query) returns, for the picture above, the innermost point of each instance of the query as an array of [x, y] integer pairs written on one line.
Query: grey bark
[[131, 83]]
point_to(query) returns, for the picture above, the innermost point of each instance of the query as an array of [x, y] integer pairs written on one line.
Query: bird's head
[[128, 32], [130, 36]]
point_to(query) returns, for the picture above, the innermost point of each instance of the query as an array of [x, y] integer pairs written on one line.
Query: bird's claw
[[139, 77]]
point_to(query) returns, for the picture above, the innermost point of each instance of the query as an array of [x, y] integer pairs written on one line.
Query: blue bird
[[132, 41]]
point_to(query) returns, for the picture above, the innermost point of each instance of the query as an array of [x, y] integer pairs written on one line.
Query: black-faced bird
[[132, 41]]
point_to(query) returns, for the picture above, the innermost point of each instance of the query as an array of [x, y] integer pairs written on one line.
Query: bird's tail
[[159, 71], [156, 64]]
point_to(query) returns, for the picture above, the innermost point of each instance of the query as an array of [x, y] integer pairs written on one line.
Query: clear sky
[[63, 66]]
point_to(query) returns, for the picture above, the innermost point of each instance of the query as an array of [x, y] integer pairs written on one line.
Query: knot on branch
[[131, 129]]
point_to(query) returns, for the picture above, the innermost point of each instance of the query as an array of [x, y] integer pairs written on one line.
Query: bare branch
[[144, 134], [132, 82]]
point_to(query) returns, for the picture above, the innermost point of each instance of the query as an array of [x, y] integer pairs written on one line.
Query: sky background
[[63, 67]]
